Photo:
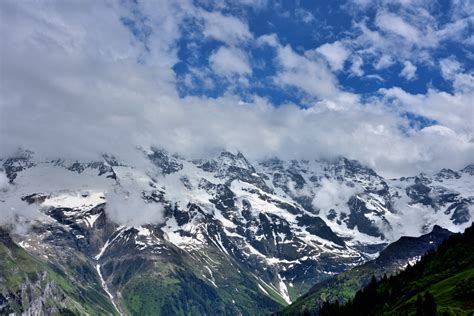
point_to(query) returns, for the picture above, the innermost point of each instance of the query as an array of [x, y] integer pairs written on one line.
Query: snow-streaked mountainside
[[240, 233], [343, 286]]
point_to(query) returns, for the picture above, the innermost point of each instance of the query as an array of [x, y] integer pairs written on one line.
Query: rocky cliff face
[[219, 235], [32, 285]]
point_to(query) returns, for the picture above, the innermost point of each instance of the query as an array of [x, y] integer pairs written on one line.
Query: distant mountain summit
[[219, 235]]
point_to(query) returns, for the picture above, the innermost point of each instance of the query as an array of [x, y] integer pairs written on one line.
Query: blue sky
[[309, 25], [389, 83]]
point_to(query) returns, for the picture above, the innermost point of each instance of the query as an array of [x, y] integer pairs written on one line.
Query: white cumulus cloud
[[335, 53], [228, 61], [408, 71]]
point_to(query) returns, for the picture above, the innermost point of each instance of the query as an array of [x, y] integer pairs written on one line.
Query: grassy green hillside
[[180, 287]]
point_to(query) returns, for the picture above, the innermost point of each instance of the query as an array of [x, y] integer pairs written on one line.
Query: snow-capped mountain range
[[242, 232]]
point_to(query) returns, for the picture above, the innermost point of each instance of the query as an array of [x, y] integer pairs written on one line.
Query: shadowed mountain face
[[221, 235]]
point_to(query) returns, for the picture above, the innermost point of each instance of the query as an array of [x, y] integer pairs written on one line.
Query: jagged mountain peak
[[469, 169], [284, 224], [225, 160], [168, 163]]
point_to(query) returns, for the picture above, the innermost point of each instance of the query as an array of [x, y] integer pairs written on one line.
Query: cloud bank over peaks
[[79, 81]]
